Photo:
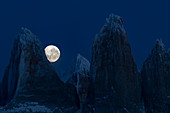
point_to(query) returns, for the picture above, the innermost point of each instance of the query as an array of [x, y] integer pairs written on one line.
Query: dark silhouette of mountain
[[156, 80], [112, 82], [29, 78], [78, 74], [114, 71]]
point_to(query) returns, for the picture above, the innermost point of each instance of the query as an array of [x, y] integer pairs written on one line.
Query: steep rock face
[[29, 77], [113, 70], [79, 73], [78, 65], [156, 80]]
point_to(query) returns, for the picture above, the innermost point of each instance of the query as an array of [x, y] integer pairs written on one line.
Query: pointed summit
[[26, 57], [79, 65], [159, 47], [26, 52], [26, 36], [82, 64], [113, 20], [30, 78], [114, 24], [25, 31], [159, 42], [78, 75], [113, 29], [113, 70], [155, 79]]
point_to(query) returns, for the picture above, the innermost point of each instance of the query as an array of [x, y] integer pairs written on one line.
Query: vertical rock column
[[113, 70]]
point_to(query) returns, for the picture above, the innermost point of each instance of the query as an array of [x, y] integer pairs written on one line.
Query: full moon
[[52, 53]]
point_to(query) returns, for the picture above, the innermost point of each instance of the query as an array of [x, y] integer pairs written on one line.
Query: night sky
[[72, 25]]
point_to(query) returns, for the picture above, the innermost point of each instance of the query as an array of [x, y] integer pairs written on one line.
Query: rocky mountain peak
[[29, 77], [155, 79], [78, 75], [159, 47], [26, 36], [113, 70], [114, 24], [26, 41], [26, 59], [114, 19], [82, 64], [79, 65]]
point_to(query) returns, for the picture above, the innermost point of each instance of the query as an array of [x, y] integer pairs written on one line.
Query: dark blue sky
[[73, 24]]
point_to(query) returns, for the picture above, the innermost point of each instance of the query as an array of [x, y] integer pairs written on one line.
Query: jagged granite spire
[[82, 64], [115, 24], [29, 77], [79, 65], [113, 70], [78, 75], [26, 48], [156, 80], [159, 47]]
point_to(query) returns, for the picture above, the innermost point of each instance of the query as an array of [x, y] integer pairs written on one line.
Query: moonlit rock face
[[113, 71], [52, 53]]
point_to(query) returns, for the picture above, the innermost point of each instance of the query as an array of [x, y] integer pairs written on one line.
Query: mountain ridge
[[111, 82]]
